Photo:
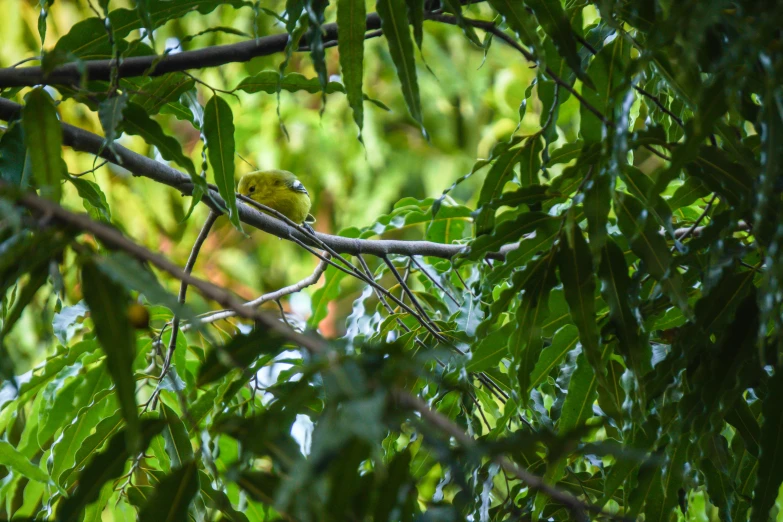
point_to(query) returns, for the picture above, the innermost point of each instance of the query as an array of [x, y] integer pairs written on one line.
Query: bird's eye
[[252, 189]]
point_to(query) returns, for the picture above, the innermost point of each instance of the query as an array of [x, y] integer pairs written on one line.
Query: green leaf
[[15, 162], [501, 173], [171, 498], [688, 193], [219, 135], [530, 161], [524, 196], [16, 462], [416, 19], [160, 91], [597, 204], [74, 434], [455, 7], [576, 273], [526, 342], [555, 23], [106, 466], [130, 273], [770, 474], [240, 352], [564, 341], [744, 421], [661, 509], [567, 152], [650, 246], [93, 197], [528, 247], [582, 390], [217, 499], [607, 70], [351, 26], [34, 283], [508, 232], [108, 304], [43, 138], [394, 24], [616, 291], [175, 436], [640, 186], [396, 477], [89, 39], [138, 123], [519, 20], [490, 350], [716, 309], [730, 180], [110, 114], [67, 398], [326, 294], [315, 12]]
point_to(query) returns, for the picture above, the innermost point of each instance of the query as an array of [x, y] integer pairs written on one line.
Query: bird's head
[[269, 182]]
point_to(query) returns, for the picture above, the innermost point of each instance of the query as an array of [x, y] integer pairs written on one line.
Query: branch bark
[[71, 73], [85, 141], [112, 238]]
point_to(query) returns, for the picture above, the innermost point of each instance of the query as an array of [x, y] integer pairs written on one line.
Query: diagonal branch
[[183, 288], [112, 238]]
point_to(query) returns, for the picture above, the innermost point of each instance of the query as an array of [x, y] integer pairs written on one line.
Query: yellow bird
[[278, 190]]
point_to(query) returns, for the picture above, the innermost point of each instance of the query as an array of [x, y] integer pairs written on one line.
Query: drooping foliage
[[593, 328]]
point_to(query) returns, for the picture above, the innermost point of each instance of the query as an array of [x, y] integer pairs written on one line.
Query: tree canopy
[[545, 280]]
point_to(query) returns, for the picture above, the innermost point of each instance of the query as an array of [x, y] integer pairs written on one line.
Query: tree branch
[[183, 289], [112, 238], [85, 141], [155, 65], [271, 296]]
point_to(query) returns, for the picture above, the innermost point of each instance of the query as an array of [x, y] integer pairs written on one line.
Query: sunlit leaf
[[43, 139], [351, 27], [394, 23], [219, 134]]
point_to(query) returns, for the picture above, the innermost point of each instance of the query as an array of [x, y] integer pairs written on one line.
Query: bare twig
[[271, 296], [698, 220], [183, 291], [412, 297], [434, 281]]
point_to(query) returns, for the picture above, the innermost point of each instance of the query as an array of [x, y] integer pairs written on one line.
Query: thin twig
[[183, 291], [699, 219], [412, 297], [271, 296], [434, 281]]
